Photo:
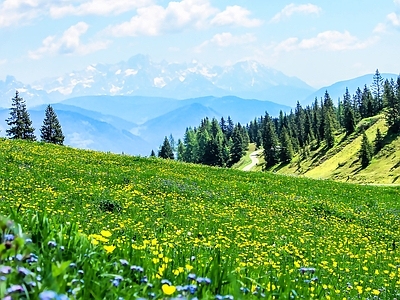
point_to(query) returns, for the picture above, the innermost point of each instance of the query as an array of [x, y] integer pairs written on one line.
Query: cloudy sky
[[320, 42]]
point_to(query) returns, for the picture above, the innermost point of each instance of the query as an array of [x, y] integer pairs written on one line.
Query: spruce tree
[[379, 141], [377, 91], [51, 131], [286, 153], [393, 107], [166, 150], [19, 121], [237, 148], [365, 151], [191, 146], [180, 151], [152, 154], [329, 132], [270, 142], [348, 117]]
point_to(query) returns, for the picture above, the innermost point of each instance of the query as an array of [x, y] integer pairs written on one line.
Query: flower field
[[104, 226]]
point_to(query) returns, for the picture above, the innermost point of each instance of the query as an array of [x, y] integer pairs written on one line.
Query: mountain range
[[131, 105], [140, 76]]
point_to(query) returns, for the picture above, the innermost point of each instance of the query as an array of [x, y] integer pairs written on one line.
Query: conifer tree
[[152, 154], [180, 151], [237, 148], [270, 142], [20, 122], [166, 150], [348, 115], [329, 132], [379, 141], [377, 91], [51, 131], [365, 151], [286, 153], [393, 107], [191, 146]]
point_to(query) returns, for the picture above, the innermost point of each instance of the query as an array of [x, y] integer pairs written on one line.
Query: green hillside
[[104, 226], [341, 162]]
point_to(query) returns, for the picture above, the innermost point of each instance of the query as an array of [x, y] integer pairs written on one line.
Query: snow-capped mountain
[[140, 76], [31, 95]]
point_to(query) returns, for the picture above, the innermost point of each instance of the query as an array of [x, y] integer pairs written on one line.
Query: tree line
[[212, 143], [316, 124], [310, 127], [21, 124]]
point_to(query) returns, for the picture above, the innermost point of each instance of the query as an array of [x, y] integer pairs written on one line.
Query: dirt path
[[254, 160]]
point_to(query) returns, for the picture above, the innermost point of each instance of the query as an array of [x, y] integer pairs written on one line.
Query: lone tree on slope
[[19, 121], [51, 131], [166, 150]]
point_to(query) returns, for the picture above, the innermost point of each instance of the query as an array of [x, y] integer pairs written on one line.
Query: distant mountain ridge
[[140, 76], [338, 89]]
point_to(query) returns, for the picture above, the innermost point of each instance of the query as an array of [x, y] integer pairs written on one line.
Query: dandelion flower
[[110, 248], [105, 233], [168, 289]]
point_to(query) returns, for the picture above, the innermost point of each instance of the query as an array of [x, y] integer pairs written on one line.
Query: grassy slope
[[245, 160], [341, 162], [245, 229]]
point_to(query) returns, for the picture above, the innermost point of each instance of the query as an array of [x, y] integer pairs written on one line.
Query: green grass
[[245, 160], [96, 219]]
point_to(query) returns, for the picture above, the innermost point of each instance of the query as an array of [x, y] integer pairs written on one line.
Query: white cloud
[[227, 39], [22, 12], [3, 61], [393, 19], [19, 12], [154, 20], [397, 2], [235, 15], [97, 7], [327, 40], [68, 43], [380, 28], [292, 8]]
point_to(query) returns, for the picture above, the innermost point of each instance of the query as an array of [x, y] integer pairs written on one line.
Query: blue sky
[[320, 42]]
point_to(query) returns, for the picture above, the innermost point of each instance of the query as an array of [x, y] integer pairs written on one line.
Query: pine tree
[[180, 151], [393, 107], [379, 141], [237, 148], [299, 120], [191, 146], [51, 131], [20, 122], [377, 90], [348, 115], [328, 132], [152, 154], [365, 151], [270, 142], [286, 153], [166, 150]]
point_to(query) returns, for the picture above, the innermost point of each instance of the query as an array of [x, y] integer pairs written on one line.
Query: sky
[[320, 42]]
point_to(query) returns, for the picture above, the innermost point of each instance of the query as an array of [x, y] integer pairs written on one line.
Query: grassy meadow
[[91, 225]]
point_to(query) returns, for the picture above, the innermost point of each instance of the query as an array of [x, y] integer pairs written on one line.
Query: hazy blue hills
[[337, 89], [136, 109], [160, 117], [87, 133], [175, 122]]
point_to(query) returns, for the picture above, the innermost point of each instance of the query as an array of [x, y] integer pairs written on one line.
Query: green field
[[106, 226]]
